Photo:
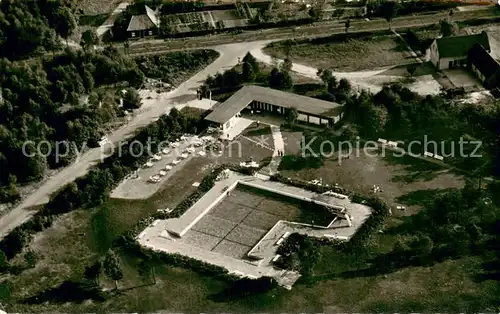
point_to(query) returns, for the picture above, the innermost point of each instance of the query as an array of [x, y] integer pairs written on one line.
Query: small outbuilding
[[486, 68], [144, 25]]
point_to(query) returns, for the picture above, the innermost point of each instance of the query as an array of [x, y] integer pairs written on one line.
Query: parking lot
[[147, 180]]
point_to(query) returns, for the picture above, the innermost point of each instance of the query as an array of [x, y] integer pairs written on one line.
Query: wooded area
[[63, 96]]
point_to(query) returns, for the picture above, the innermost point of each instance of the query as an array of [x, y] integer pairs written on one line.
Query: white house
[[452, 52]]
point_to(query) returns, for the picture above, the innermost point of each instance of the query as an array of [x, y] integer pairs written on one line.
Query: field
[[93, 7], [346, 56]]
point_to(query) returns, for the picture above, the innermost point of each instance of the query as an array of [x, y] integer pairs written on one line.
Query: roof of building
[[457, 46], [242, 98], [152, 15], [483, 61], [144, 21]]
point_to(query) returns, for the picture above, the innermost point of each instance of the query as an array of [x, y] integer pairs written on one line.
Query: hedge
[[128, 240], [180, 261], [307, 185], [206, 184]]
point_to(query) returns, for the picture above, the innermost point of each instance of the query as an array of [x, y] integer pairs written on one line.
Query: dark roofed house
[[484, 66], [144, 25], [451, 52], [257, 98]]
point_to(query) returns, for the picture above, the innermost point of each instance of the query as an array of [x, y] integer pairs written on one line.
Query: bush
[[306, 185], [293, 162]]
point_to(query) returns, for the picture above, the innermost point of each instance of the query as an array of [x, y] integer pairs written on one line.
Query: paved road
[[229, 55]]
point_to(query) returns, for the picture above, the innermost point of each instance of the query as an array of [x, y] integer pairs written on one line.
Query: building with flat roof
[[257, 98]]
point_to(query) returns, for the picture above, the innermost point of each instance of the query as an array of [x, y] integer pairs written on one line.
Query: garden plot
[[195, 21]]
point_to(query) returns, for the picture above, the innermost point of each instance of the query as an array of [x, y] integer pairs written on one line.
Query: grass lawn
[[350, 55]]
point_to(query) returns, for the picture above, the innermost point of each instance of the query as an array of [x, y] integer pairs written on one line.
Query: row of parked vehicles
[[195, 142]]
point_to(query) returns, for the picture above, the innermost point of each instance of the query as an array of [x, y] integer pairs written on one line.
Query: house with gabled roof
[[486, 68], [453, 52], [144, 25]]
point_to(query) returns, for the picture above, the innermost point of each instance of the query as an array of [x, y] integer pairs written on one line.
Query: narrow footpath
[[279, 146]]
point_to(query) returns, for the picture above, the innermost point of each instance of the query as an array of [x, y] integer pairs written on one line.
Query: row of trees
[[397, 113], [251, 72]]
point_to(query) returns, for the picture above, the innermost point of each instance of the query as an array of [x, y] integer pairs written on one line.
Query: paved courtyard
[[463, 78]]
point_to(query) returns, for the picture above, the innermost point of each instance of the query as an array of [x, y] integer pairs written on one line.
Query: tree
[[325, 75], [250, 59], [89, 39], [30, 258], [93, 272], [4, 263], [292, 115], [126, 46], [411, 70], [280, 79], [344, 85], [315, 13], [337, 13], [131, 99], [286, 65], [447, 28], [389, 10], [423, 246], [248, 74], [347, 25], [112, 267], [65, 22], [135, 77]]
